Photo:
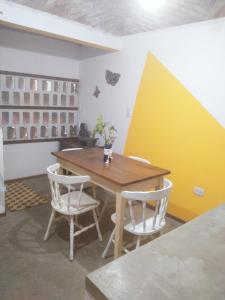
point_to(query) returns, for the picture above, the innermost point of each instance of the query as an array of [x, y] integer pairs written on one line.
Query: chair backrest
[[160, 196], [57, 182], [71, 149], [145, 161]]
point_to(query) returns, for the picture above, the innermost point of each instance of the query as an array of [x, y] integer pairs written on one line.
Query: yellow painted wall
[[174, 131]]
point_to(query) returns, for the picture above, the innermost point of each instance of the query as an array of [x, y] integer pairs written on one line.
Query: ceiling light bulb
[[151, 5]]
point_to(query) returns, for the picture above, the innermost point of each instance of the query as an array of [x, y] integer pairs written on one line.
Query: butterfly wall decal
[[96, 92], [112, 78]]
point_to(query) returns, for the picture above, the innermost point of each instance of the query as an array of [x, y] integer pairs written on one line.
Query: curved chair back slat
[[160, 197], [151, 195], [58, 181], [145, 161], [72, 149]]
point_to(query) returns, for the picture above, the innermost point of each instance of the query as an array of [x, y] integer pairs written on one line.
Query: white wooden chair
[[141, 225], [70, 204], [87, 184]]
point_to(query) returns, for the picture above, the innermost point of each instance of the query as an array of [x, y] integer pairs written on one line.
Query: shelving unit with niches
[[37, 107]]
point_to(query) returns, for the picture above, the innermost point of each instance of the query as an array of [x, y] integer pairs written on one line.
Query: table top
[[186, 263], [121, 171]]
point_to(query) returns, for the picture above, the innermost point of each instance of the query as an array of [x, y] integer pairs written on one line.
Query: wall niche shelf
[[67, 140], [37, 108]]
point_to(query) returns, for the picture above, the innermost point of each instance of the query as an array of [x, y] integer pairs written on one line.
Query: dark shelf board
[[38, 107], [39, 140], [38, 76]]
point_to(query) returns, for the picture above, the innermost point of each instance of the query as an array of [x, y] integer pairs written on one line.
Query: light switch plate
[[128, 112]]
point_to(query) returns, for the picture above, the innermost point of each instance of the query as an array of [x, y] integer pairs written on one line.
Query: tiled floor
[[31, 269]]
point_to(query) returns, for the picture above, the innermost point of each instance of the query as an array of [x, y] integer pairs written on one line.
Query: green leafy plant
[[105, 130]]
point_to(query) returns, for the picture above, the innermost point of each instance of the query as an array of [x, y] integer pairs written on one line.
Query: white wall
[[193, 53], [2, 187], [29, 53], [22, 160]]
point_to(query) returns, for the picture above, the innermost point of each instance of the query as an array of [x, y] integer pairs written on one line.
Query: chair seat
[[87, 203], [139, 229]]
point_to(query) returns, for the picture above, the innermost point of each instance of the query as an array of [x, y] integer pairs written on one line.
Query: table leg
[[120, 208], [160, 184], [94, 191]]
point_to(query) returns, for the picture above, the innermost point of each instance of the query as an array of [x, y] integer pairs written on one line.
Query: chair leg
[[97, 225], [71, 237], [109, 243], [97, 212], [94, 191], [106, 202], [138, 241], [94, 194], [49, 224]]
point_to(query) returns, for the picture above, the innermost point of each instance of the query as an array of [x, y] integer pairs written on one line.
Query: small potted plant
[[108, 133]]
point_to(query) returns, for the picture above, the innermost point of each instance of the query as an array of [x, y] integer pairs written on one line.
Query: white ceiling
[[123, 17]]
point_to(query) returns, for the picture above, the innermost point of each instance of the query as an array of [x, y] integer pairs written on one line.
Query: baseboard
[[2, 214], [176, 218], [169, 215], [23, 178]]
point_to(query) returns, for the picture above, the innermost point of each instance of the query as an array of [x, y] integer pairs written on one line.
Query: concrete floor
[[31, 269]]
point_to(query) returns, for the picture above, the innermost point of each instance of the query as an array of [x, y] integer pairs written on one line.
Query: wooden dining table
[[123, 173]]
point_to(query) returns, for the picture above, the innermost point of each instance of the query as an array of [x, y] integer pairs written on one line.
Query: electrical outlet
[[199, 191]]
